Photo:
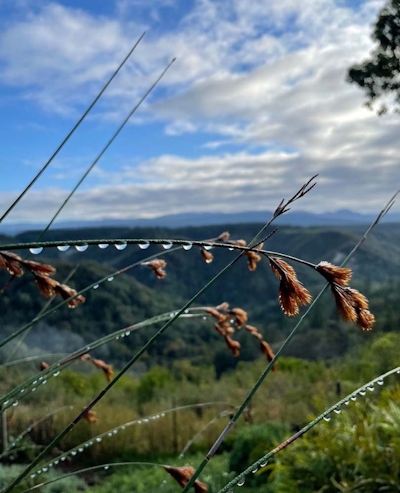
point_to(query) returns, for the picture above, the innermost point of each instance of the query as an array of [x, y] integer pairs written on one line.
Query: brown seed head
[[233, 346], [267, 350], [223, 307], [240, 243], [99, 363], [207, 256], [38, 268], [11, 262], [332, 273], [223, 237], [180, 474], [216, 314], [254, 331], [292, 293], [352, 306], [240, 316], [44, 365], [46, 285], [90, 416], [66, 292], [157, 266], [365, 319], [252, 259]]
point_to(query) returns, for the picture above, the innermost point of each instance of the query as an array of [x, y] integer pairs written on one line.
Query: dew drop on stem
[[337, 410], [362, 392], [121, 246], [96, 286], [81, 248], [187, 246], [207, 247], [380, 382], [144, 245], [327, 418], [264, 463], [167, 245], [241, 482], [371, 388], [63, 248], [110, 279], [36, 251], [103, 246]]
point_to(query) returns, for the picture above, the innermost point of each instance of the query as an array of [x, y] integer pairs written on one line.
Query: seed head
[[157, 266], [267, 350], [216, 314], [233, 346], [332, 273], [207, 256], [11, 262], [292, 293], [254, 331], [252, 259], [240, 316], [44, 365], [99, 363], [90, 416], [182, 476], [38, 269], [353, 306], [223, 306]]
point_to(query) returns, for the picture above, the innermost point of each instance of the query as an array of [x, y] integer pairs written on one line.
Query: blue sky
[[255, 104]]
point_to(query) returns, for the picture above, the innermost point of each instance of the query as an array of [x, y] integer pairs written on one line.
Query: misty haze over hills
[[296, 218]]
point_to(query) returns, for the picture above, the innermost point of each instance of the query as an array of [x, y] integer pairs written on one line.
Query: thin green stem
[[92, 468], [74, 128], [263, 460], [269, 367]]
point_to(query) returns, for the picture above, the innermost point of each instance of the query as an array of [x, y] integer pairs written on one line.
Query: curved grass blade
[[263, 460]]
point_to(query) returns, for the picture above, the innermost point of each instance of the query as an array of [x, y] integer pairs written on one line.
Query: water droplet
[[398, 372], [122, 427], [337, 410], [327, 418], [380, 382], [56, 374], [44, 382], [33, 476], [115, 432], [144, 245], [51, 464], [6, 402], [80, 449], [121, 246], [207, 247], [74, 452], [34, 383], [254, 469], [110, 279], [231, 249], [81, 248], [353, 398], [139, 422], [98, 439], [39, 471], [117, 337], [56, 462], [127, 333], [109, 434], [162, 415], [15, 404], [103, 245], [204, 318], [45, 469], [96, 286], [347, 402], [40, 378], [22, 391], [106, 467], [167, 245], [145, 420], [362, 392], [63, 458], [35, 251], [241, 481], [63, 248], [187, 310], [187, 246], [33, 389]]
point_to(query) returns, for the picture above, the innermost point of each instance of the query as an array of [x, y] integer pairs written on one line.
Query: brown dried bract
[[182, 476], [292, 293], [91, 416], [99, 363], [46, 285], [333, 273], [207, 256], [66, 292], [38, 268], [223, 306], [234, 346], [254, 331], [158, 266], [216, 314], [252, 259], [267, 350], [44, 365], [353, 306], [223, 237], [11, 262], [240, 316]]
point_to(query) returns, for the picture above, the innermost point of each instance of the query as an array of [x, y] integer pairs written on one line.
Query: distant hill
[[294, 218], [138, 294]]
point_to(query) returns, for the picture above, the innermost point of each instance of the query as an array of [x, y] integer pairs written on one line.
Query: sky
[[254, 105]]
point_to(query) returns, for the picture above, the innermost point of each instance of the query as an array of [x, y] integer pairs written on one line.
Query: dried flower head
[[99, 363], [11, 262], [267, 350], [158, 266], [240, 243], [216, 314], [239, 315], [182, 476], [38, 269], [91, 416], [207, 256], [223, 237], [223, 307], [332, 273], [234, 346], [46, 285], [353, 306], [223, 328], [292, 293], [254, 331], [44, 365], [66, 292], [252, 259]]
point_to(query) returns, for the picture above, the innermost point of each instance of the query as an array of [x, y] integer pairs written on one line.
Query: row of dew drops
[[362, 392], [167, 245], [83, 446]]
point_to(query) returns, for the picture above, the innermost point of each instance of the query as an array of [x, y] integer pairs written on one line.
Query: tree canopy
[[379, 76]]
